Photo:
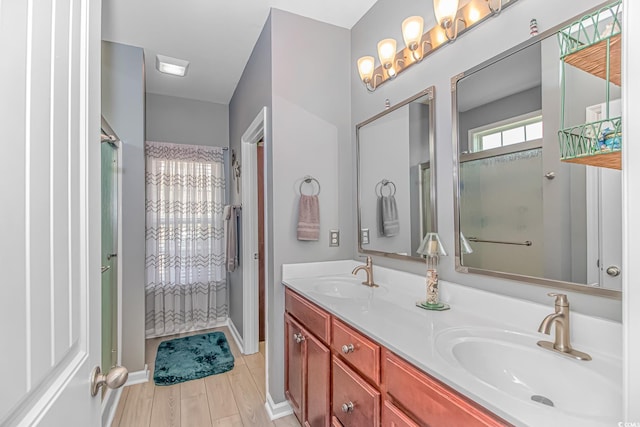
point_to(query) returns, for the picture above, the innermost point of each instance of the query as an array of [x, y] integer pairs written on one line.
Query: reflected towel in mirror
[[388, 214]]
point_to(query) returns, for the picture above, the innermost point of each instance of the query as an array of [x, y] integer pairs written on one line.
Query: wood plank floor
[[232, 399]]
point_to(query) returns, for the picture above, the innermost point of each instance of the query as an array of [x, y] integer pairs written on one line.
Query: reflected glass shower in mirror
[[527, 215], [396, 178]]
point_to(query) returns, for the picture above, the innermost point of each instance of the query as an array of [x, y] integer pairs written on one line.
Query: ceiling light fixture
[[448, 17], [172, 66]]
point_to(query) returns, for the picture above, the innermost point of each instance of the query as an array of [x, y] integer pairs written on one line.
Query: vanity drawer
[[428, 400], [357, 350], [394, 417], [314, 319], [350, 389]]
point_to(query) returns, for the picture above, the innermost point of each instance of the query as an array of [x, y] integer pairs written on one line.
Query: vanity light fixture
[[172, 66], [420, 44], [412, 34], [446, 12], [387, 55]]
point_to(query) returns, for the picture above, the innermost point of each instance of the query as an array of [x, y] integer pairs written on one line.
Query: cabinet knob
[[347, 407], [348, 348], [298, 338]]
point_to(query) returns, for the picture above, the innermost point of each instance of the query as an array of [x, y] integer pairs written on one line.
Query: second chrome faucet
[[368, 268], [562, 341]]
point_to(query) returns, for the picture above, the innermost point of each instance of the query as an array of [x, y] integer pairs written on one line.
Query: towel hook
[[307, 180], [384, 183]]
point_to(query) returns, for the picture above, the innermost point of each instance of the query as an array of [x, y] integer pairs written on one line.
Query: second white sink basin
[[513, 364], [345, 287]]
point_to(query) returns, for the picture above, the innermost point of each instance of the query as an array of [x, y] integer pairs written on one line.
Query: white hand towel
[[309, 218]]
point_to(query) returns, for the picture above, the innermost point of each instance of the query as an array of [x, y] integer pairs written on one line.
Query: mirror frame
[[551, 283], [429, 93]]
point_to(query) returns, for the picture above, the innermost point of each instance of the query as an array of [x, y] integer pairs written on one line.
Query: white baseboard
[[277, 410], [138, 377], [236, 336], [110, 405]]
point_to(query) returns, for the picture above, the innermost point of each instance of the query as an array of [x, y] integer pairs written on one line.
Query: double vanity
[[368, 356]]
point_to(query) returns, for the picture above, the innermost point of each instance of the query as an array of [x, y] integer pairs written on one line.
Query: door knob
[[613, 271], [298, 337], [115, 378]]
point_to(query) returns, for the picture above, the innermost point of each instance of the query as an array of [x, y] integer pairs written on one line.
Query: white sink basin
[[513, 364], [345, 287]]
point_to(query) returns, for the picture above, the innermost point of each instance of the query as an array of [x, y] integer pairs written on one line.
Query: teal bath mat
[[190, 358]]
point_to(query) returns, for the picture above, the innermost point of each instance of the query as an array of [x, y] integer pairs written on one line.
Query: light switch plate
[[364, 236], [334, 238]]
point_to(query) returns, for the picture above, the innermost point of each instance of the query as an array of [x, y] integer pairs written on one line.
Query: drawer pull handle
[[348, 348], [347, 407], [299, 338]]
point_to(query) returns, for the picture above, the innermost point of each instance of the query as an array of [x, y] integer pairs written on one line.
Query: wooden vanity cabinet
[[335, 376], [307, 364]]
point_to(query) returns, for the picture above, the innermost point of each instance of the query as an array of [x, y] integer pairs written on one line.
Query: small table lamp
[[432, 249]]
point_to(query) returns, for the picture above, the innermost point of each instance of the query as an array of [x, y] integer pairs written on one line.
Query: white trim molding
[[277, 410], [138, 377], [110, 405], [254, 133], [236, 336]]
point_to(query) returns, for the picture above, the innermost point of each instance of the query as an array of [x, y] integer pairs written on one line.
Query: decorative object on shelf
[[419, 44], [588, 46], [432, 249], [533, 28]]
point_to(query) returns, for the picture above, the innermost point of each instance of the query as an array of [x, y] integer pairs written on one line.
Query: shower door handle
[[111, 256]]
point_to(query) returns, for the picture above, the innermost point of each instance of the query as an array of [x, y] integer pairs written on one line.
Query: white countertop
[[390, 317]]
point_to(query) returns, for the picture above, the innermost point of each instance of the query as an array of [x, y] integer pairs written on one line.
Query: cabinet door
[[394, 417], [294, 365], [318, 366], [355, 402]]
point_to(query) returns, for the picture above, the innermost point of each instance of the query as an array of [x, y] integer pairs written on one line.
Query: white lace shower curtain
[[186, 285]]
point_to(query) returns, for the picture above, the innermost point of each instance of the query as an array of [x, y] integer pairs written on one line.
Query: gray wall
[[299, 69], [311, 135], [186, 121], [487, 40], [251, 95], [123, 108]]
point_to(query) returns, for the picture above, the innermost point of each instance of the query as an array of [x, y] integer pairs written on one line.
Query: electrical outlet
[[364, 236], [334, 238]]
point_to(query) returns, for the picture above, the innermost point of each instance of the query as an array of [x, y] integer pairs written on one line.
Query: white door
[[50, 211]]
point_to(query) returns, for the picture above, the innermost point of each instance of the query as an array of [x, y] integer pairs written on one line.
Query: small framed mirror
[[528, 208], [396, 178]]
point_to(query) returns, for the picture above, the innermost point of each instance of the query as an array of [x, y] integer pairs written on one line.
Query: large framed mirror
[[520, 212], [396, 178]]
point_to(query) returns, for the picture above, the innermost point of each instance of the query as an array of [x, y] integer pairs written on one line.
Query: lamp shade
[[465, 246], [387, 52], [431, 246], [366, 66], [445, 10], [412, 31]]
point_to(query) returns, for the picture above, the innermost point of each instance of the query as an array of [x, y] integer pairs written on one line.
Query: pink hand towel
[[309, 218]]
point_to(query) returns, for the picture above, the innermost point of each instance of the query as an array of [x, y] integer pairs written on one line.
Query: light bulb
[[366, 66], [387, 52], [445, 11], [412, 31]]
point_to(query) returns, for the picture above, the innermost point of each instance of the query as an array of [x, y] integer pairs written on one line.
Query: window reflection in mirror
[[527, 215], [396, 196]]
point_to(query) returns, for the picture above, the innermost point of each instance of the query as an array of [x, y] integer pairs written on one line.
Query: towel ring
[[307, 180], [384, 183]]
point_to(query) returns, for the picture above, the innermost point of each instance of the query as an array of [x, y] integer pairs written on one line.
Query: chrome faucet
[[368, 267], [562, 342]]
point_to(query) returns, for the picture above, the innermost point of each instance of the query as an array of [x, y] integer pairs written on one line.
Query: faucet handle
[[561, 299]]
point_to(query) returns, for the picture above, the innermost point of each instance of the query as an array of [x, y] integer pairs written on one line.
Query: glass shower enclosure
[[109, 250]]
